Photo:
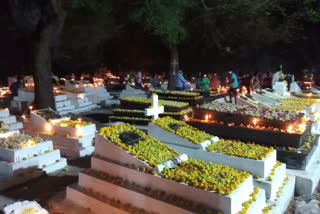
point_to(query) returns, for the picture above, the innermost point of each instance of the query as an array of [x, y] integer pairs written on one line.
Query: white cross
[[155, 110]]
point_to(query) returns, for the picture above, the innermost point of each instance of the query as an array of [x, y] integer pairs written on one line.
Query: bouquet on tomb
[[263, 112], [25, 207], [17, 141], [72, 123]]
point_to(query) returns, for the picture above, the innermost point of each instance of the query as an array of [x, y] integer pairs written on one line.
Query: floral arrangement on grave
[[25, 207], [177, 93], [265, 113], [72, 123], [225, 146], [197, 173], [148, 101], [18, 141], [47, 113], [303, 102], [138, 144]]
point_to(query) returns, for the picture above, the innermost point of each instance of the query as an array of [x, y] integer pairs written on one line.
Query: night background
[[215, 35]]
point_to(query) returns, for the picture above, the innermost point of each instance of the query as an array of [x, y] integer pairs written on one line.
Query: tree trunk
[[42, 73], [174, 66], [44, 97]]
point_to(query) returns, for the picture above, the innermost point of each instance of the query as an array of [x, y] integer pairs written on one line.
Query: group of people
[[229, 79]]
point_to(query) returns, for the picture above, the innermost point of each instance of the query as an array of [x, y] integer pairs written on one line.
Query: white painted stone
[[271, 187], [19, 154], [229, 204], [294, 87], [273, 95], [282, 203], [60, 98], [259, 204], [13, 126], [108, 150], [61, 164], [8, 120], [74, 132], [166, 137], [307, 180], [128, 196], [76, 153], [129, 92], [265, 100], [261, 168], [156, 109], [280, 87], [7, 182], [96, 206], [9, 133], [9, 169], [4, 113]]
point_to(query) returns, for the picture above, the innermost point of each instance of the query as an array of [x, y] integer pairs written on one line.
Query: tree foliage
[[163, 18]]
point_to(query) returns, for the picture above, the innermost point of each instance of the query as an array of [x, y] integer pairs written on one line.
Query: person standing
[[204, 84], [214, 82], [180, 81], [139, 79], [234, 85]]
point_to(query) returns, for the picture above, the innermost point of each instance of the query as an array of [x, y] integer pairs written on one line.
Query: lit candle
[[255, 120]]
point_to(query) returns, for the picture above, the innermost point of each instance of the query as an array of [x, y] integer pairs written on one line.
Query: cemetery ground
[[52, 187]]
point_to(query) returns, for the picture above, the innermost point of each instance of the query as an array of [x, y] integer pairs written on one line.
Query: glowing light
[[30, 107], [186, 117], [206, 117], [48, 127], [23, 117], [290, 129], [80, 119], [79, 132], [255, 121]]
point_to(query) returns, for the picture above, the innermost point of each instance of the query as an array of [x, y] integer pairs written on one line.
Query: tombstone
[[280, 87], [132, 92], [155, 110], [294, 87]]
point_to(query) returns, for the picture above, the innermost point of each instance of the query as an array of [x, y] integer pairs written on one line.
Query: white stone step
[[271, 187], [259, 204], [7, 182], [4, 113], [87, 130], [23, 166], [281, 204], [75, 154], [19, 154], [229, 204], [13, 126], [128, 196], [307, 180], [92, 204], [58, 165]]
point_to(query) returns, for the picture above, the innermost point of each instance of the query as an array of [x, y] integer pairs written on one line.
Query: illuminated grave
[[260, 161], [9, 121], [126, 176], [132, 110], [23, 157], [74, 138], [193, 98]]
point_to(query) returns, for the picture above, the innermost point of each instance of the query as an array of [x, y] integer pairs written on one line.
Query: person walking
[[234, 85]]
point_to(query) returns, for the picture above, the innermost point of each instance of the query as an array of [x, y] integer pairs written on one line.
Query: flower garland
[[148, 101], [149, 149], [184, 130], [207, 176], [72, 123], [240, 149]]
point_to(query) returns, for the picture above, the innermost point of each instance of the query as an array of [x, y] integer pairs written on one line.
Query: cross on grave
[[155, 110]]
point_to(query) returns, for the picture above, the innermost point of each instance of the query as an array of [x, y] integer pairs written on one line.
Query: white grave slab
[[261, 168]]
